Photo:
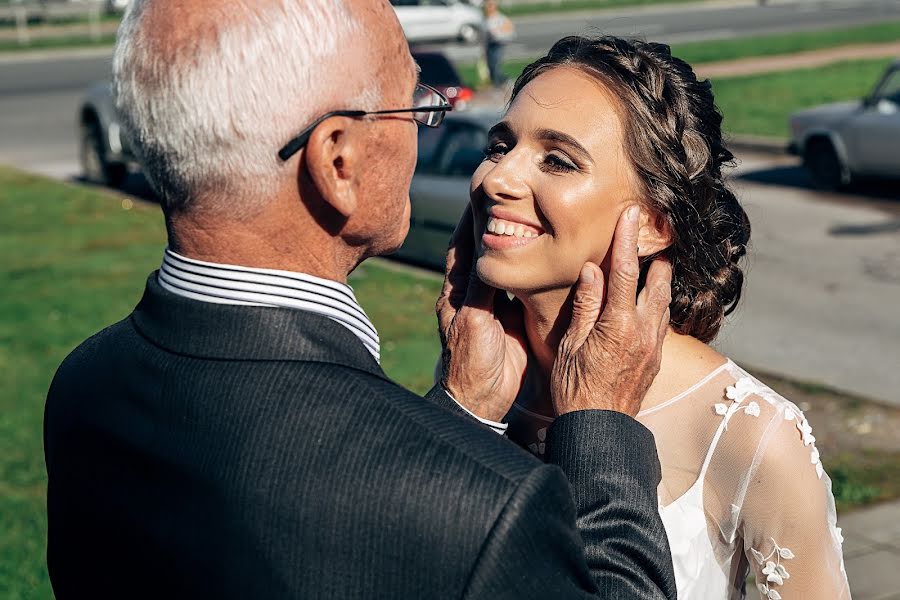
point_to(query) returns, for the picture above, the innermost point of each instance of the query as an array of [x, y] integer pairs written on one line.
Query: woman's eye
[[495, 150], [557, 164]]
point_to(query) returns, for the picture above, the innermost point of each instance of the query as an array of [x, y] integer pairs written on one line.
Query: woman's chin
[[499, 274]]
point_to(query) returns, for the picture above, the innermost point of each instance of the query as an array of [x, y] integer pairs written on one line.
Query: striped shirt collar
[[232, 284]]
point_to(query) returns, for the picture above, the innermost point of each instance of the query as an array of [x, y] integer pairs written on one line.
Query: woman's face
[[556, 178]]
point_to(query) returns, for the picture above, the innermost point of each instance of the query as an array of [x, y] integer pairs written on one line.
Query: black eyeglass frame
[[294, 146]]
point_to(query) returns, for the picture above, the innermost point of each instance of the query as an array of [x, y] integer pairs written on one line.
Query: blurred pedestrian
[[498, 31]]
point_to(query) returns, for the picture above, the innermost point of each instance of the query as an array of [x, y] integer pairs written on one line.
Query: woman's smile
[[504, 229]]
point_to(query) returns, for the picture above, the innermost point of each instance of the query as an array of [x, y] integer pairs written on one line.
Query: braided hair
[[673, 139]]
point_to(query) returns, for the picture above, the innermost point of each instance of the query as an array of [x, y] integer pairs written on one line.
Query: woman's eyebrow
[[552, 135], [501, 128]]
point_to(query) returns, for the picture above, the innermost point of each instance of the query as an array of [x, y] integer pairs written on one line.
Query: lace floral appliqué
[[736, 393], [745, 386], [773, 570], [808, 440]]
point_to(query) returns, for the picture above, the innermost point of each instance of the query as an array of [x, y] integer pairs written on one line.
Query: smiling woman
[[594, 127]]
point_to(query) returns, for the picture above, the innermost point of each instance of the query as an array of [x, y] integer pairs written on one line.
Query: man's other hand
[[607, 360], [482, 334]]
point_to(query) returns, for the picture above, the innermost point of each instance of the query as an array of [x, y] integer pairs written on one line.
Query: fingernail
[[587, 274], [632, 213]]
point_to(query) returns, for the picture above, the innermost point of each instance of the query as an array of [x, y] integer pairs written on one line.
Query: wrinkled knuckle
[[584, 301], [628, 269], [662, 294]]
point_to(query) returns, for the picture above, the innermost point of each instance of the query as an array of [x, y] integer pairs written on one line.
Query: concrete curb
[[71, 53], [757, 143]]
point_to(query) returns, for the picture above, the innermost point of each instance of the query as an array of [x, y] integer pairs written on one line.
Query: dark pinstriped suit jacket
[[210, 451]]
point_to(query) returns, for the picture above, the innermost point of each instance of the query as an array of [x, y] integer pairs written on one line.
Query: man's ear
[[654, 234], [332, 159]]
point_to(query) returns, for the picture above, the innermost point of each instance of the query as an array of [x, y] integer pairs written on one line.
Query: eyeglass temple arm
[[293, 146]]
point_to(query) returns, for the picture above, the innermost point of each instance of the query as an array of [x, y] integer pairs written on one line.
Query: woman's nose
[[504, 180]]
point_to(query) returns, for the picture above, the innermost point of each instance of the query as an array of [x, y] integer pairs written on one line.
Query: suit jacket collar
[[227, 332]]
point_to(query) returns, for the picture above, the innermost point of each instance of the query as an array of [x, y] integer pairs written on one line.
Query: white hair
[[208, 117]]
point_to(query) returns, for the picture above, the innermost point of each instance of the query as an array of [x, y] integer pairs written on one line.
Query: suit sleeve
[[610, 544], [610, 461], [438, 396]]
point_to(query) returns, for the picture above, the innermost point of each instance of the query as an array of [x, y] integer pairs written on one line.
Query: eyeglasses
[[429, 108]]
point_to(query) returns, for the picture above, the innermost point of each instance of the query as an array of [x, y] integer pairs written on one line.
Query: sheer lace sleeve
[[787, 519]]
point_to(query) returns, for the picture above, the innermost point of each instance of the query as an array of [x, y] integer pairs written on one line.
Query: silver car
[[448, 155], [439, 20], [847, 139]]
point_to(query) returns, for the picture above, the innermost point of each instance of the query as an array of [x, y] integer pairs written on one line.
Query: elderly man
[[235, 437]]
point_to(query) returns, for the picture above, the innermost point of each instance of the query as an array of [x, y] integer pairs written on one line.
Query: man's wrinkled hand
[[484, 353], [608, 359]]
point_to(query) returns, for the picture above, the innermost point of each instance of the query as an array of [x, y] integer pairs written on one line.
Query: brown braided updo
[[673, 139]]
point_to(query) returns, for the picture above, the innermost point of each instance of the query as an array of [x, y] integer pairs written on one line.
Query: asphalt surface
[[691, 22], [38, 105], [823, 281]]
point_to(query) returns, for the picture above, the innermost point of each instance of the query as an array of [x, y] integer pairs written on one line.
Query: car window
[[436, 70], [465, 141], [429, 140], [890, 88]]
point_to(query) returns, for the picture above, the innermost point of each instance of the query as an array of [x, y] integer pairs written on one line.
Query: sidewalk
[[872, 552], [799, 60]]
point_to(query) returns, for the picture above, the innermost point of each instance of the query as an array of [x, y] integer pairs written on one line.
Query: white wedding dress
[[743, 491]]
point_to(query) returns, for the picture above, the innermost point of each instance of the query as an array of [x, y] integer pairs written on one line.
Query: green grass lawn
[[760, 104]]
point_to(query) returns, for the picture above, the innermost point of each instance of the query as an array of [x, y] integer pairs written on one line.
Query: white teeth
[[499, 227]]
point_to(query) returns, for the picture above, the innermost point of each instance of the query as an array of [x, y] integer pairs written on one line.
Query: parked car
[[439, 20], [448, 155], [848, 139], [104, 150], [439, 73]]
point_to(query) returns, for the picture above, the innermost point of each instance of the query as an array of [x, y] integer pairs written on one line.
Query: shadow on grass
[[135, 186]]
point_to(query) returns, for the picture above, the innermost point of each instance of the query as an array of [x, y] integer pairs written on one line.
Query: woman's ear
[[654, 234], [332, 154]]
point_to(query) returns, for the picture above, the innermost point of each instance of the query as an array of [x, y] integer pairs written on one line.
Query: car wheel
[[94, 164], [823, 165], [469, 34]]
